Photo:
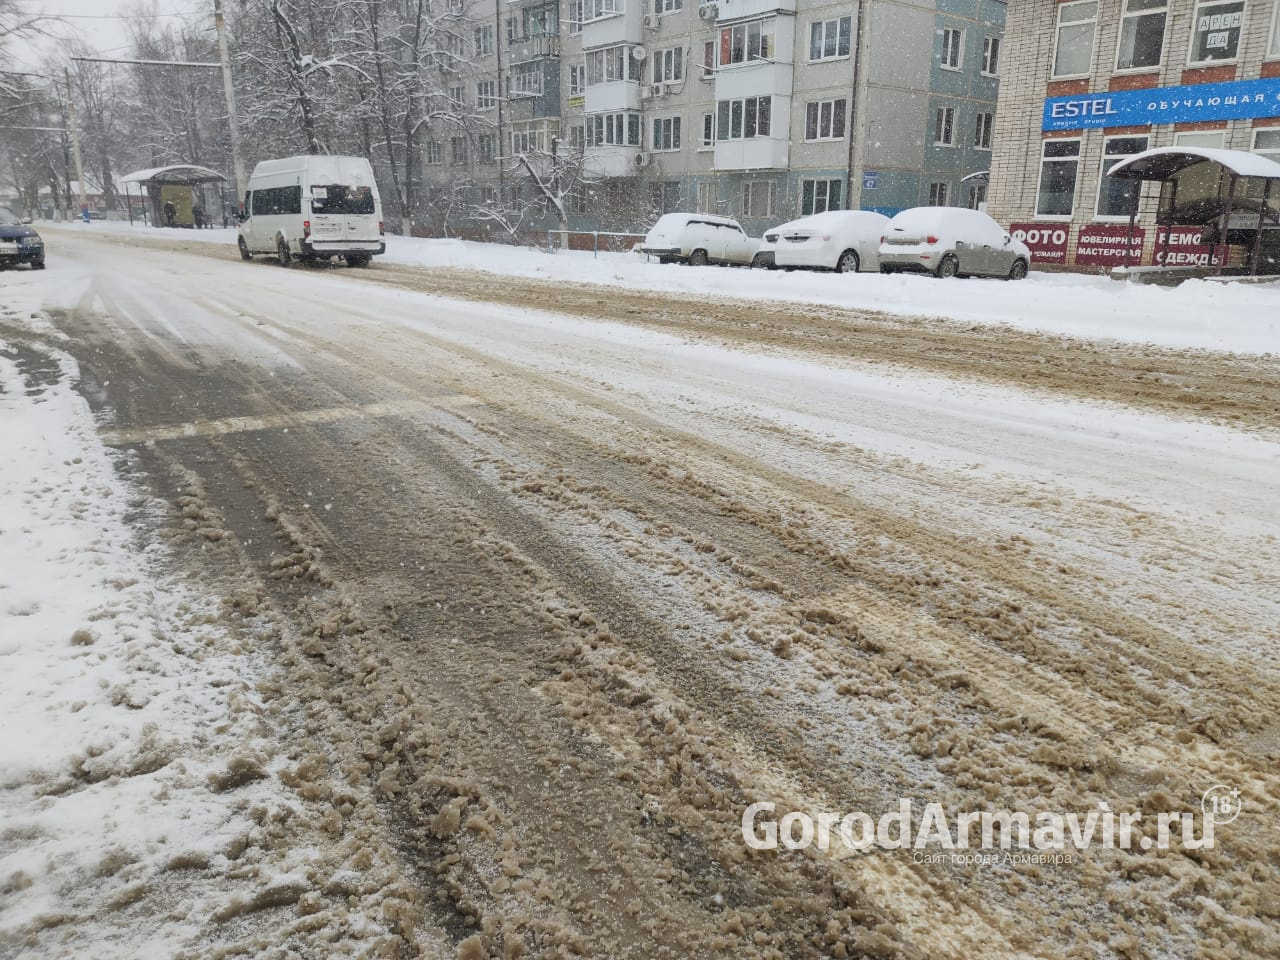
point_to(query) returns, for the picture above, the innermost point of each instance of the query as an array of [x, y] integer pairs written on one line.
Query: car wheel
[[282, 251], [1018, 270], [760, 261], [698, 258], [244, 249], [948, 267], [848, 262]]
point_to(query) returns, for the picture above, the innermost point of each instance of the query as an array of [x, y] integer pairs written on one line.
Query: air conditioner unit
[[642, 159], [652, 21], [708, 11]]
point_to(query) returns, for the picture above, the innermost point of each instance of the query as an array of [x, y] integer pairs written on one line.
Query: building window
[[577, 79], [952, 49], [575, 17], [708, 131], [824, 119], [1266, 143], [484, 40], [668, 64], [708, 197], [977, 195], [944, 126], [1275, 33], [456, 97], [819, 196], [1073, 49], [937, 194], [577, 137], [991, 57], [485, 148], [708, 60], [595, 9], [435, 152], [757, 198], [1118, 198], [532, 137], [613, 64], [1209, 139], [541, 21], [513, 30], [743, 119], [613, 130], [458, 150], [525, 79], [1059, 164], [744, 42], [666, 133], [1215, 32], [829, 39], [1141, 34], [667, 6], [486, 94], [982, 130]]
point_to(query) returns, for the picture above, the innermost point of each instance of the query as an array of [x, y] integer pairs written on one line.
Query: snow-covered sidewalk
[[123, 693], [1206, 315]]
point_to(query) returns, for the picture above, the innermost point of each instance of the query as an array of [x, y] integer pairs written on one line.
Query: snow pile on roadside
[[1237, 318], [122, 692]]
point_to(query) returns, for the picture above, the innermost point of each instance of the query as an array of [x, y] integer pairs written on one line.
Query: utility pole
[[859, 129], [502, 94], [237, 158], [75, 148]]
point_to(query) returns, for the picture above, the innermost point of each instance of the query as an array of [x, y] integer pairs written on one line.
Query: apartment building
[[760, 109], [1089, 82]]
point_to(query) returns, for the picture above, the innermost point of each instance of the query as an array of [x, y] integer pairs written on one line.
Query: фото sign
[[1103, 245], [1047, 241], [1185, 248], [1236, 100]]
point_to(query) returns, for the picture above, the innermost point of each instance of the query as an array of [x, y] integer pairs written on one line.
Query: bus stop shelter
[[1234, 196], [180, 183]]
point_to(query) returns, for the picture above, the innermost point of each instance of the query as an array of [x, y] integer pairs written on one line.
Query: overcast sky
[[99, 22]]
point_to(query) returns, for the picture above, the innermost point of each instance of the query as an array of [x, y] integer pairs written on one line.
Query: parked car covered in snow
[[698, 239], [312, 208], [952, 242], [19, 242], [845, 241]]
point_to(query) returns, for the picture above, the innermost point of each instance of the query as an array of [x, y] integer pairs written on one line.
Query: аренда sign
[[1237, 100]]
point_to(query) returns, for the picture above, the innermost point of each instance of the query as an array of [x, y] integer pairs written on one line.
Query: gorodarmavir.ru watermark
[[936, 837]]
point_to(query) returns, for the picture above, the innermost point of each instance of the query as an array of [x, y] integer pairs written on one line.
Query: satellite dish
[[639, 53]]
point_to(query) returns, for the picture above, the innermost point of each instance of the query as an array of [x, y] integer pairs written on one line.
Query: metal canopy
[[1163, 162], [183, 174]]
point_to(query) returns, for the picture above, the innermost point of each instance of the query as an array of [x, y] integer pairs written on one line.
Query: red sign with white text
[[1185, 248], [1047, 241], [1108, 245]]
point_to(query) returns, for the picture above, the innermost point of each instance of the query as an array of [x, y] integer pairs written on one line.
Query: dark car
[[19, 243]]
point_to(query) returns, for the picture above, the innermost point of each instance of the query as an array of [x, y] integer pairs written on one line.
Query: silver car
[[952, 242]]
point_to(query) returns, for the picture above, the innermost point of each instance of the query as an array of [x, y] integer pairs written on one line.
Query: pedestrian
[[170, 214], [197, 214]]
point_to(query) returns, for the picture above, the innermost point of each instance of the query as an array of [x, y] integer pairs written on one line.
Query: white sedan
[[952, 242], [845, 241]]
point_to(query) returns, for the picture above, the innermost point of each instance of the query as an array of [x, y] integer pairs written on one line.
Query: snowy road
[[562, 579]]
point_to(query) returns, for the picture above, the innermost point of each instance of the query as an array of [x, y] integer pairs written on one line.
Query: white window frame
[[577, 79], [939, 190], [486, 100], [826, 184], [1273, 154], [617, 128], [984, 122], [944, 120], [1188, 137], [708, 139], [708, 196], [816, 106], [747, 103], [663, 7], [490, 140], [667, 65], [1075, 189], [768, 27], [484, 40], [458, 153], [1125, 15], [749, 189], [575, 14], [977, 195], [949, 48], [826, 27], [434, 153], [457, 95], [672, 126], [616, 55], [1240, 41], [600, 9], [991, 56], [1102, 174], [1057, 38], [530, 77]]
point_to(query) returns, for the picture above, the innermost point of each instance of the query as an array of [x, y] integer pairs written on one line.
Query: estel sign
[[1237, 100]]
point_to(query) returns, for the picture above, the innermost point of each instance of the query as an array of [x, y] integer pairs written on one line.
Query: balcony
[[758, 153], [624, 27], [737, 9], [608, 97], [760, 78], [613, 161], [525, 48]]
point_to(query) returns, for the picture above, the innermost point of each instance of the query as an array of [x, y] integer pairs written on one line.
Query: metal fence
[[593, 240]]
